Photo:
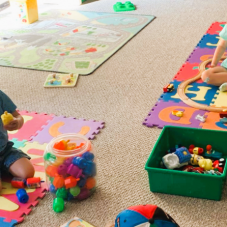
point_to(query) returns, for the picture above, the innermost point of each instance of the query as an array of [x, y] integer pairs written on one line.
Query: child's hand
[[13, 125]]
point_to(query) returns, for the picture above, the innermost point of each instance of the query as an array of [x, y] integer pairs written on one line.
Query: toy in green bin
[[144, 216], [70, 168]]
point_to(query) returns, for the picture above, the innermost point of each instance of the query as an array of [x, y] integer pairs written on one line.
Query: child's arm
[[16, 123], [221, 47]]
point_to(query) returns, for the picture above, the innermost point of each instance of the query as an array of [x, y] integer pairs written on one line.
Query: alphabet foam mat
[[200, 92], [67, 41], [32, 139]]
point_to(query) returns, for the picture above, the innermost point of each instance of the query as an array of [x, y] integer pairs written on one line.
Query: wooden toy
[[26, 10], [168, 88], [184, 98], [61, 80]]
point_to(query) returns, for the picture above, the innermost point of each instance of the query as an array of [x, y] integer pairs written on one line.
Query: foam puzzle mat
[[200, 92], [67, 41], [32, 139]]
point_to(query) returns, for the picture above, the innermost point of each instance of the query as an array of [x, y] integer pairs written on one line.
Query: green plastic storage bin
[[177, 182]]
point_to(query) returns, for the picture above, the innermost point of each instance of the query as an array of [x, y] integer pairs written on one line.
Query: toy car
[[168, 88]]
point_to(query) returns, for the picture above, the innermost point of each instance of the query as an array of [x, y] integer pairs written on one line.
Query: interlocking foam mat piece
[[67, 41], [161, 114], [32, 139]]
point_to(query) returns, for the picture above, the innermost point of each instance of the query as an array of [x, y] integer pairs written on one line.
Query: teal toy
[[58, 205], [119, 7], [210, 153]]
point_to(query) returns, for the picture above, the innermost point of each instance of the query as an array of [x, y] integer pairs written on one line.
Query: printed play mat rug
[[199, 91], [67, 41], [32, 138]]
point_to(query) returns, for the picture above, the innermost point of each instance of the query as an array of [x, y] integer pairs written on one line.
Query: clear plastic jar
[[70, 167]]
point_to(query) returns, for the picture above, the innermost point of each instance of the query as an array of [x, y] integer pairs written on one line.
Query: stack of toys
[[194, 159], [70, 169]]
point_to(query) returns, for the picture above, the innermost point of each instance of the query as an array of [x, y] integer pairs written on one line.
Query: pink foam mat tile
[[24, 209], [32, 123], [60, 124]]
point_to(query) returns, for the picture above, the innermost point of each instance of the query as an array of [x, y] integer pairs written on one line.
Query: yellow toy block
[[26, 10]]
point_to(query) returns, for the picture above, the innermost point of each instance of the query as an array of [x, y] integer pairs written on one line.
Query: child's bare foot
[[223, 87]]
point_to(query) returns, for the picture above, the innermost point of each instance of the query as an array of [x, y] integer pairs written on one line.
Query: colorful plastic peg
[[22, 195], [75, 191], [84, 194], [52, 188], [90, 183], [59, 182], [58, 205], [71, 182], [82, 182], [88, 156], [80, 162], [90, 169], [62, 169], [74, 171], [49, 157], [18, 182], [52, 171], [62, 193]]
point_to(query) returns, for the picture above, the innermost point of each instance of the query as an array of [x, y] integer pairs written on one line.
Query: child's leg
[[215, 76], [22, 168]]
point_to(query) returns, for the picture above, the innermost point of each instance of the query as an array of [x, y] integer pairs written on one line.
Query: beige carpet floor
[[121, 92]]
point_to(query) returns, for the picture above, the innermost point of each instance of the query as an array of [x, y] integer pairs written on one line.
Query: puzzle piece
[[7, 224], [200, 54], [36, 151], [33, 123], [220, 99], [61, 124], [202, 93], [159, 115], [10, 194], [208, 41], [213, 122], [216, 28], [187, 71], [18, 144]]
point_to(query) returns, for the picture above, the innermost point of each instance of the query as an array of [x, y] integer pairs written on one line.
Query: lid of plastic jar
[[71, 138]]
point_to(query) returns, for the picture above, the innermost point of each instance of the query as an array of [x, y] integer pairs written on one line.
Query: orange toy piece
[[59, 182], [71, 146], [71, 182], [58, 161], [52, 171], [61, 145], [81, 145], [90, 183]]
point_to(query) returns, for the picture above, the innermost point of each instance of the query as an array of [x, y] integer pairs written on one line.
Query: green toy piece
[[62, 193], [119, 7], [58, 205], [49, 157]]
